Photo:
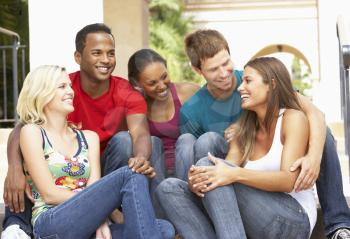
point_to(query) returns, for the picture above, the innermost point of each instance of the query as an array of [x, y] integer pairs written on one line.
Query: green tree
[[301, 76], [13, 17], [168, 27]]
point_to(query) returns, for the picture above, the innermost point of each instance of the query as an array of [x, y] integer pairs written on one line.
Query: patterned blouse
[[68, 172]]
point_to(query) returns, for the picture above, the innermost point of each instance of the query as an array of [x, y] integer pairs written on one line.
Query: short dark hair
[[80, 38], [139, 61]]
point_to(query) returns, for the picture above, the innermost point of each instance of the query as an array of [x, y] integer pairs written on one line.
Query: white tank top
[[272, 162]]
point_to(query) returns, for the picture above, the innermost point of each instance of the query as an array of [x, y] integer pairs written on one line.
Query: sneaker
[[342, 233], [14, 232]]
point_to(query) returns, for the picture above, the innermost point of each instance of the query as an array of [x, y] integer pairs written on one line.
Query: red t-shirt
[[106, 115]]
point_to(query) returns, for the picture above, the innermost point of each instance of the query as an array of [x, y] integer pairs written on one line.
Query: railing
[[8, 107], [343, 31]]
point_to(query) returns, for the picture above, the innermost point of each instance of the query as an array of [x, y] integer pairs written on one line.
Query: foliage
[[168, 27], [13, 17], [301, 76]]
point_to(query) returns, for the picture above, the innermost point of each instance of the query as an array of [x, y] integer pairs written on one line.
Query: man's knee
[[169, 185], [204, 162], [120, 138], [208, 138], [210, 142], [117, 152], [185, 139]]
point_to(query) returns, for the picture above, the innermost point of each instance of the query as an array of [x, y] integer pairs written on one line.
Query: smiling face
[[254, 91], [217, 71], [154, 80], [97, 60], [63, 96]]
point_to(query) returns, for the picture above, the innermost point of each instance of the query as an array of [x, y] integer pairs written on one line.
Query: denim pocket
[[283, 228]]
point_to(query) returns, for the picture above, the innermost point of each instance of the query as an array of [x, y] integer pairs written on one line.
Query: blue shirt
[[203, 113]]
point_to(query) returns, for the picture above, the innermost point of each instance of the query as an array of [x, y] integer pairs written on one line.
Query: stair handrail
[[15, 45]]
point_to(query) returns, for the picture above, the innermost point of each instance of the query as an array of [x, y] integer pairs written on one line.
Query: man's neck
[[94, 88]]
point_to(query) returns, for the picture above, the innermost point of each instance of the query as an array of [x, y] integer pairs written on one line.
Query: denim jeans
[[22, 219], [336, 213], [232, 212], [329, 184], [118, 152], [116, 155], [193, 149], [81, 215]]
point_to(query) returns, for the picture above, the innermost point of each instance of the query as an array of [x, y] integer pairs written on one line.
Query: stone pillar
[[129, 23]]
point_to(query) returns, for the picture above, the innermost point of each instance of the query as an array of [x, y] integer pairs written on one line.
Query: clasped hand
[[141, 165], [202, 179]]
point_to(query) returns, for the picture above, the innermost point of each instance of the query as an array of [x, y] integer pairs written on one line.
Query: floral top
[[71, 173]]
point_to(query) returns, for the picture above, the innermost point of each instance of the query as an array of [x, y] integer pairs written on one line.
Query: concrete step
[[4, 133], [318, 232], [337, 129]]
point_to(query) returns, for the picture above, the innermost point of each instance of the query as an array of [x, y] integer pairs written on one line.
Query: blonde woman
[[250, 194], [63, 169]]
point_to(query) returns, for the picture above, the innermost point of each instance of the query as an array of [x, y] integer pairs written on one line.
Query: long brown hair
[[280, 95]]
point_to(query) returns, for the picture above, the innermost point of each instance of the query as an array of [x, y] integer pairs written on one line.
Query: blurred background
[[310, 36]]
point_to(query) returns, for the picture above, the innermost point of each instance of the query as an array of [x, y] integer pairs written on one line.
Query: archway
[[295, 61], [279, 48]]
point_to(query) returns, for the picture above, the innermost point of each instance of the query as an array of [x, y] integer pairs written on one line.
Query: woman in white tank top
[[271, 134]]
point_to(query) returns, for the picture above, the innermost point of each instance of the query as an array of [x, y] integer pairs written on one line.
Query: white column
[[53, 25]]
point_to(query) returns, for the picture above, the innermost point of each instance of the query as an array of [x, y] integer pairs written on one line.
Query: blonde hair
[[38, 90]]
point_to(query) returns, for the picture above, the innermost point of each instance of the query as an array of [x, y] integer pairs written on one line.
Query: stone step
[[4, 133], [318, 232], [3, 171]]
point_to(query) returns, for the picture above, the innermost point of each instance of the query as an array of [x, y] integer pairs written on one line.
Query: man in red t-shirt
[[103, 103], [107, 104]]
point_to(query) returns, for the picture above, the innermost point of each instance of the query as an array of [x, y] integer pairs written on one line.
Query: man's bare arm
[[15, 183], [310, 163], [141, 144]]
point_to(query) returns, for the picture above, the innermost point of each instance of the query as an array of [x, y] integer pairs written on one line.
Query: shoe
[[342, 233], [14, 232]]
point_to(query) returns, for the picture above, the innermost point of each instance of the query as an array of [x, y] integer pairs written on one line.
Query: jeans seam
[[139, 211]]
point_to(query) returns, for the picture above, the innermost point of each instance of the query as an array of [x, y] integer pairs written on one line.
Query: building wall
[[307, 25], [129, 23], [250, 26], [53, 25], [328, 92], [53, 30]]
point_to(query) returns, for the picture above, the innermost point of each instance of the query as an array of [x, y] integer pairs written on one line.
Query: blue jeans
[[194, 149], [119, 151], [81, 215], [232, 211], [336, 213], [329, 184], [116, 155], [22, 219]]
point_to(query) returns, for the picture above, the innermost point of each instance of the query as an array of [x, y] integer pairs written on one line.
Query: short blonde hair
[[38, 90]]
